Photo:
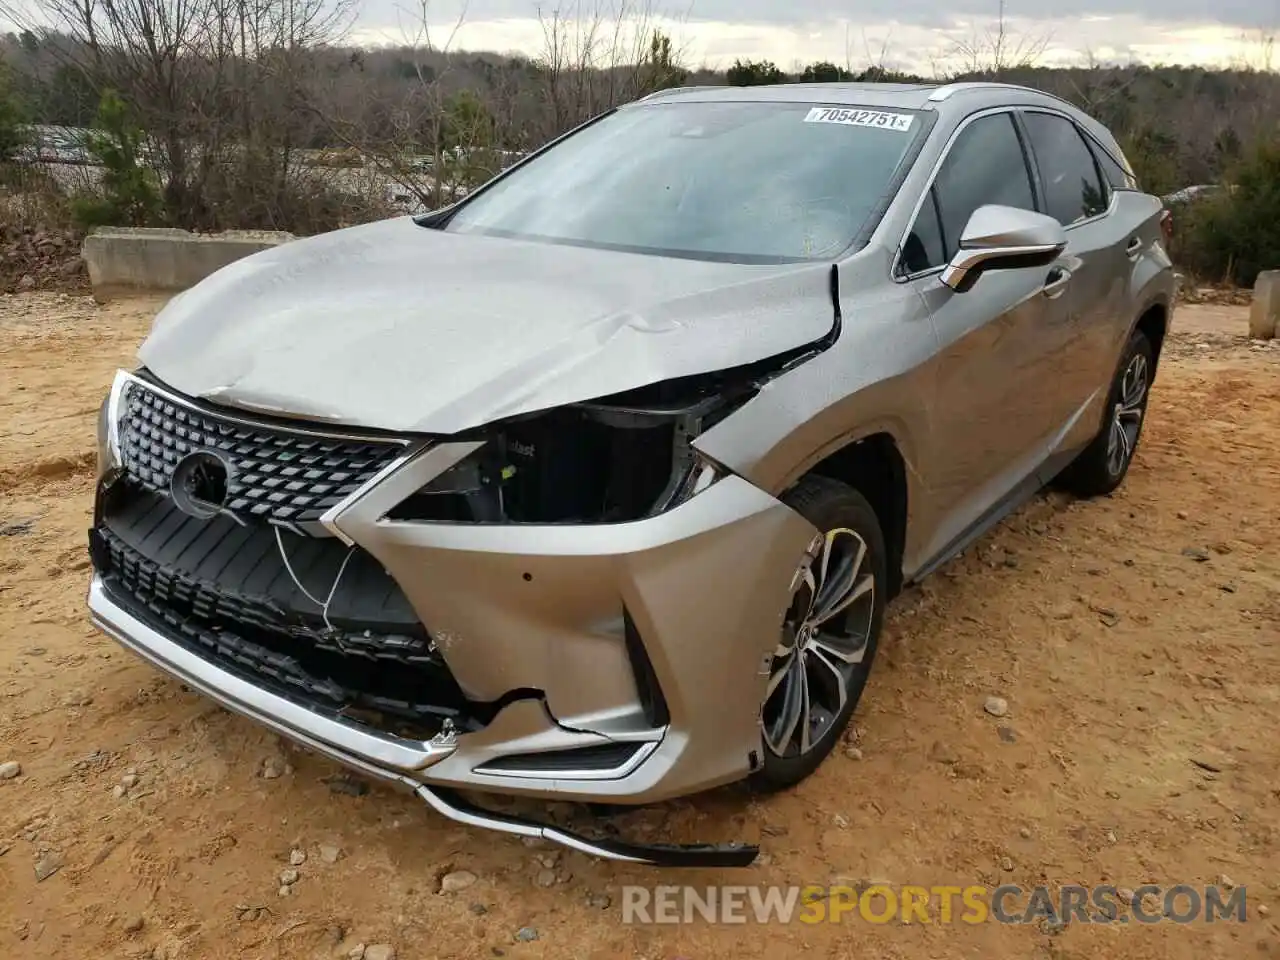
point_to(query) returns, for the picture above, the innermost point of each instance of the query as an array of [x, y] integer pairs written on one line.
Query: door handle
[[1134, 248], [1055, 285]]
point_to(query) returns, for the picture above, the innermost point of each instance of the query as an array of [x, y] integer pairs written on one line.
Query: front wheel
[[829, 634], [1102, 466]]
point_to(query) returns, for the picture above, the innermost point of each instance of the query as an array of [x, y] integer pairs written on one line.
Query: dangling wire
[[324, 607]]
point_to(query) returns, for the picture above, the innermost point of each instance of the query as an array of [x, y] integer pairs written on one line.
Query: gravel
[[330, 853], [273, 768], [457, 880], [47, 866], [943, 753]]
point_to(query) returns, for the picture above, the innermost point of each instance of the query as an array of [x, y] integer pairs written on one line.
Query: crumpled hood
[[400, 327]]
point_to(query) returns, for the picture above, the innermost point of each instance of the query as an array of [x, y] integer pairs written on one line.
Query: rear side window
[[985, 165], [1116, 176], [1073, 189]]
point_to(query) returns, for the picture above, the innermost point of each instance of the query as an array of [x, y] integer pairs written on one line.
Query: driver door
[[995, 383]]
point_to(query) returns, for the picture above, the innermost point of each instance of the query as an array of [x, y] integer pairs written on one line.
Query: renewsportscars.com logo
[[884, 903]]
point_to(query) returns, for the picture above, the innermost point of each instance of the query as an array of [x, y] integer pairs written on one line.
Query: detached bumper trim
[[702, 855], [341, 741]]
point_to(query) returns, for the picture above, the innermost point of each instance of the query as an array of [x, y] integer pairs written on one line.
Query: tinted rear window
[[1072, 188]]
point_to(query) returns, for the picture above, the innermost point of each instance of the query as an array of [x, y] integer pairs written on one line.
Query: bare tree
[[214, 83], [599, 53], [997, 48]]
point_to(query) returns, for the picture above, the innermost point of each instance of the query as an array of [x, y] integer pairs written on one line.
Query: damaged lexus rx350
[[594, 485]]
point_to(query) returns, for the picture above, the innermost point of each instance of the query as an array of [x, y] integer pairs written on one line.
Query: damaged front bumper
[[618, 663], [401, 762]]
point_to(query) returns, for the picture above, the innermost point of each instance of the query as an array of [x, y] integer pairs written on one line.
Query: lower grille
[[222, 591]]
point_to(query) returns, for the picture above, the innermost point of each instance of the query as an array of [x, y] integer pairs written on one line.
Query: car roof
[[953, 99], [910, 96]]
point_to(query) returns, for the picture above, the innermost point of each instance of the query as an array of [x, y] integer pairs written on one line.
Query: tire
[[1101, 467], [846, 520]]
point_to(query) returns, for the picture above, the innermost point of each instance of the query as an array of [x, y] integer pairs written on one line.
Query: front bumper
[[627, 662], [540, 617], [394, 760], [702, 589]]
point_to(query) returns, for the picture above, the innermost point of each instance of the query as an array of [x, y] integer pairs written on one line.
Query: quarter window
[[1116, 176], [985, 165], [1073, 189]]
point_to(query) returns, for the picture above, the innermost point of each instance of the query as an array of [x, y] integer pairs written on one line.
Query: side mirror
[[1003, 238]]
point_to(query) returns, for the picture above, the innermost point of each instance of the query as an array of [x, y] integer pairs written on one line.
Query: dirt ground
[[1136, 640]]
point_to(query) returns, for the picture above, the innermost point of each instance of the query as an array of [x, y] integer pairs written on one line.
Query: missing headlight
[[563, 466], [608, 461]]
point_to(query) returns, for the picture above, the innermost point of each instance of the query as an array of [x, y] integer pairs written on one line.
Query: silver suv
[[594, 485]]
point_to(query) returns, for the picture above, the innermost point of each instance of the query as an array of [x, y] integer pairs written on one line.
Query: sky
[[920, 35]]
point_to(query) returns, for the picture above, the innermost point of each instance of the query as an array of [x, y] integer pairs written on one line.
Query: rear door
[[996, 387], [1096, 263]]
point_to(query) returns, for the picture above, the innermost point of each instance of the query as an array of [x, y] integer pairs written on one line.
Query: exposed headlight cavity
[[608, 461]]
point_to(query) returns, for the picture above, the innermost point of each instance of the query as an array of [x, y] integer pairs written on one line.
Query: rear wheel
[[1102, 466], [829, 635]]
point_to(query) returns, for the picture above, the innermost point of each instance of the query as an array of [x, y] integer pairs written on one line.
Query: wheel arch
[[1153, 321], [873, 464]]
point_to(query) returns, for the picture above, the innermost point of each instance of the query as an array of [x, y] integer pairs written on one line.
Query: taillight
[[1166, 225]]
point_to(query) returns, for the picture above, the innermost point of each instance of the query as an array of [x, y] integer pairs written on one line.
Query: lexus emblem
[[199, 484]]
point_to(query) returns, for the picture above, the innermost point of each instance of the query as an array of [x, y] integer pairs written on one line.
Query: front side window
[[742, 182], [985, 165], [1073, 190]]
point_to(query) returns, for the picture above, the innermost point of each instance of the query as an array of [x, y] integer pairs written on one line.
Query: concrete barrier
[[1264, 313], [125, 260]]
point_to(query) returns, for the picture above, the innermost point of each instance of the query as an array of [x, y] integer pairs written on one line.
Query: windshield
[[748, 182]]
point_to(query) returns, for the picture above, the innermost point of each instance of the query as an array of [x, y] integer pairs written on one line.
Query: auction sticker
[[860, 118]]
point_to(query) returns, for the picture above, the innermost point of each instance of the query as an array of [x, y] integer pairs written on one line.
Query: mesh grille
[[276, 473]]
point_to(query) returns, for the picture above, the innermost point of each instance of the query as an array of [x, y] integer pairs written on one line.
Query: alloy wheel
[[1126, 416], [825, 637]]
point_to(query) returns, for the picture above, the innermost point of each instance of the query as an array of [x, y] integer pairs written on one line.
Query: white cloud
[[914, 46]]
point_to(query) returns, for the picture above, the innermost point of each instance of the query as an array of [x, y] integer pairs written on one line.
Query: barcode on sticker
[[860, 118]]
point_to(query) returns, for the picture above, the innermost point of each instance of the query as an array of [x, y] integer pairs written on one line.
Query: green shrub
[[13, 131], [130, 195], [1236, 234], [751, 73]]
